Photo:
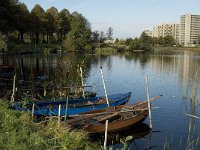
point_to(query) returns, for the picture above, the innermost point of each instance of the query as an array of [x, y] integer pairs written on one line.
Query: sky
[[128, 18]]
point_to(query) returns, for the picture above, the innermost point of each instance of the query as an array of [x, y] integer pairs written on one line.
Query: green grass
[[34, 48], [105, 50], [19, 131]]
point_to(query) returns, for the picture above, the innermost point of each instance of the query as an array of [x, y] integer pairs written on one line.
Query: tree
[[160, 40], [128, 40], [95, 36], [50, 24], [8, 10], [22, 21], [79, 35], [62, 24], [169, 41], [116, 41], [53, 11], [109, 33], [3, 43], [37, 17], [145, 42], [134, 44]]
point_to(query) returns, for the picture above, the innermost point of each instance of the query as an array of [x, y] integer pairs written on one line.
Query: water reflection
[[125, 138], [175, 74]]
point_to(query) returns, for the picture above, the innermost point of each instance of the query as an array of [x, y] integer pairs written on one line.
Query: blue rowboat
[[75, 106]]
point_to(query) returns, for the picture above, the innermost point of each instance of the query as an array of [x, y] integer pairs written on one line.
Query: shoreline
[[177, 48]]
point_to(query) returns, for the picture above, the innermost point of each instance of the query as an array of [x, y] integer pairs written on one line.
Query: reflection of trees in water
[[42, 71]]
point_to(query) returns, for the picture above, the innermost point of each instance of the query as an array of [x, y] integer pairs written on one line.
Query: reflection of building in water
[[181, 63], [164, 62], [184, 65]]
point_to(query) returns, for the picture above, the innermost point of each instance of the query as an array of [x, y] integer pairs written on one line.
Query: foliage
[[110, 33], [145, 42], [18, 131], [79, 37], [40, 26], [22, 21], [169, 41], [62, 24], [3, 43]]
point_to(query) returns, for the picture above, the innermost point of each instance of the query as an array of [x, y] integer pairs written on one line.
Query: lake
[[174, 74]]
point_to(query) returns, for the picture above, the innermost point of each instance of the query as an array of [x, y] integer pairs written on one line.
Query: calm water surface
[[173, 74]]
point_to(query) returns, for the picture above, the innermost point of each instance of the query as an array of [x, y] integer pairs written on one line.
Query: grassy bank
[[18, 131], [106, 50], [31, 48], [178, 48]]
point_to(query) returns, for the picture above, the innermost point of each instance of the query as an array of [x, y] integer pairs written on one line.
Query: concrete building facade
[[189, 30], [167, 29]]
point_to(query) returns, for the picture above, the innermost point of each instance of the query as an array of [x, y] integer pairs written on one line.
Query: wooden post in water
[[33, 109], [59, 110], [106, 134], [82, 83], [149, 103], [104, 85], [45, 91], [13, 93]]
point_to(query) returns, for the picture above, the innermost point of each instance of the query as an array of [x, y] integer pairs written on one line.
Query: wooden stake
[[33, 109], [149, 103], [82, 82], [104, 85], [13, 93], [59, 109], [106, 134], [45, 92]]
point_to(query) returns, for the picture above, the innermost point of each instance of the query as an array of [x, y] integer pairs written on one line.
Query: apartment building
[[167, 29], [189, 30]]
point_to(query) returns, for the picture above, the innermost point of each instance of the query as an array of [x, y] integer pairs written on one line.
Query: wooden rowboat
[[74, 106], [119, 118]]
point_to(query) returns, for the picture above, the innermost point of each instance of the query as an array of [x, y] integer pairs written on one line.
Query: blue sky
[[128, 18]]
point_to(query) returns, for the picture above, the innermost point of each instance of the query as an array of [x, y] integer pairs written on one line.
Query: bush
[[3, 43]]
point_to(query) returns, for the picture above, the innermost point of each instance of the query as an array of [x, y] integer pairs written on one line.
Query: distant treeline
[[18, 25], [145, 42], [72, 31]]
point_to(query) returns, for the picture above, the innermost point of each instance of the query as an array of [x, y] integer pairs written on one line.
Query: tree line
[[22, 26], [145, 42]]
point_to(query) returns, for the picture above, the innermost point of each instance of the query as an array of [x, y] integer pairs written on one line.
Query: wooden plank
[[108, 117]]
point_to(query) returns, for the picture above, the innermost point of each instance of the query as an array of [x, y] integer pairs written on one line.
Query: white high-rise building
[[189, 30], [167, 29]]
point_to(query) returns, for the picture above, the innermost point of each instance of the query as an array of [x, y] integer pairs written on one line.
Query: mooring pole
[[104, 85], [59, 110], [13, 93], [149, 103], [82, 82], [106, 134], [33, 109]]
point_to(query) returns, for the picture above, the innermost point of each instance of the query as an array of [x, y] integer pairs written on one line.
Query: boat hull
[[74, 106]]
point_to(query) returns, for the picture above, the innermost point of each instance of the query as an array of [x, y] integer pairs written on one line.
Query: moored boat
[[119, 118], [74, 106]]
